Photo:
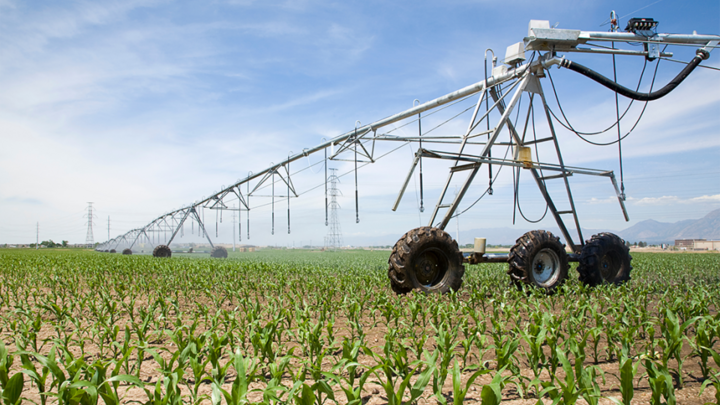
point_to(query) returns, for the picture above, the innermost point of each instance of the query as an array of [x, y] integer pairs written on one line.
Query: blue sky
[[146, 106]]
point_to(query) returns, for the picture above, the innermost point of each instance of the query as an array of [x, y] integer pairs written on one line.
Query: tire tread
[[411, 243], [526, 246], [592, 252]]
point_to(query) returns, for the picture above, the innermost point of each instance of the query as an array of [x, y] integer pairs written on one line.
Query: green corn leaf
[[13, 389], [240, 385], [491, 394], [627, 375], [5, 363], [323, 387], [217, 394], [307, 396], [88, 395], [126, 378], [460, 392], [418, 387], [50, 363]]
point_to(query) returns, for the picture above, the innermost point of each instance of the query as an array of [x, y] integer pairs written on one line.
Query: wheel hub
[[430, 267], [545, 266], [608, 266]]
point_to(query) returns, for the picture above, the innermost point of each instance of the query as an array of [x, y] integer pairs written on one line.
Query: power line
[[686, 63]]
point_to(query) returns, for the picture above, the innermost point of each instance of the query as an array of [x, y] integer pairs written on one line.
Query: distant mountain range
[[651, 231], [707, 227]]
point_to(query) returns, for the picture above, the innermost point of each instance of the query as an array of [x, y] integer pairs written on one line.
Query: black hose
[[701, 55]]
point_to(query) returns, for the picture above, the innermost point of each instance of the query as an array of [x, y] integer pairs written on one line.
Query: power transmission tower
[[89, 240], [333, 240]]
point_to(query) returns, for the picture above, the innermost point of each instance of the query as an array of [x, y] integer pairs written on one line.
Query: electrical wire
[[486, 190], [516, 184], [431, 113], [309, 166], [606, 22], [619, 132], [344, 174], [450, 119], [507, 150], [417, 199], [677, 44], [572, 129], [687, 63], [366, 141], [569, 127]]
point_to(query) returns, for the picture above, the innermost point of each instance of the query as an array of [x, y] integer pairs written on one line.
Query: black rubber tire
[[112, 250], [538, 259], [605, 259], [127, 252], [398, 289], [162, 251], [219, 252], [426, 259]]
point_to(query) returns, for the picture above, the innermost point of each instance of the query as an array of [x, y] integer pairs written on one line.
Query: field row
[[324, 327]]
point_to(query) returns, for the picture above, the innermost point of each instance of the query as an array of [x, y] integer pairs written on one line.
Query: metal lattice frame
[[468, 152], [333, 240]]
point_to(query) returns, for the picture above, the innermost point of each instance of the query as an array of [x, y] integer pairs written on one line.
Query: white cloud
[[664, 200], [297, 102], [671, 199], [707, 198], [36, 27], [142, 107], [240, 2], [343, 43], [682, 121], [606, 200]]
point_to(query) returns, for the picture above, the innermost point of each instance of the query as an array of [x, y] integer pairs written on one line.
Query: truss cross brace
[[193, 212], [486, 150]]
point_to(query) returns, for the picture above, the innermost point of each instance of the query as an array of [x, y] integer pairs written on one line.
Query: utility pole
[[37, 236], [89, 240]]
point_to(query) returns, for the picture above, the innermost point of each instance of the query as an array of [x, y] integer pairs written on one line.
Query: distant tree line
[[51, 244], [638, 244]]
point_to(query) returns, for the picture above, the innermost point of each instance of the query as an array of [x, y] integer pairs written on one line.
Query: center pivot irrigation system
[[427, 258]]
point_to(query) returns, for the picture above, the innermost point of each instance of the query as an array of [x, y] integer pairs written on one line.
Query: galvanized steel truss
[[501, 93]]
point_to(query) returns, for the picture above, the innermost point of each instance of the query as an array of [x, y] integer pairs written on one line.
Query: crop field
[[305, 328]]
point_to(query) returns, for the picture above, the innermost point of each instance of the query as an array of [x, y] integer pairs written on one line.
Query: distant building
[[707, 245], [686, 243], [697, 244]]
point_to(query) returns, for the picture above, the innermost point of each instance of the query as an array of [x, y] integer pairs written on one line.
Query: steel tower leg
[[201, 225], [180, 224], [493, 137]]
